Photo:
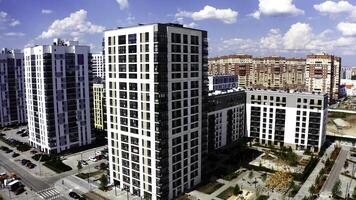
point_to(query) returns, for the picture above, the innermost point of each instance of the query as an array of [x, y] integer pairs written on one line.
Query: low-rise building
[[222, 82], [287, 119]]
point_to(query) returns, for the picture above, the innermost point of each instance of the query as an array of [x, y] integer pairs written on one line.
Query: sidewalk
[[304, 190]]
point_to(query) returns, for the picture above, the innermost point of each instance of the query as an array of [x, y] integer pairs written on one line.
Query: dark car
[[24, 161], [74, 195], [82, 198], [14, 155], [9, 151], [20, 190], [24, 135], [4, 148], [31, 165]]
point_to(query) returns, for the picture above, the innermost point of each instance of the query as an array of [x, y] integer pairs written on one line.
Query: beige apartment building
[[316, 73]]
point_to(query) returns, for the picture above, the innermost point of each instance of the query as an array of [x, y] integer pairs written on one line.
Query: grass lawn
[[85, 175], [227, 193], [44, 157], [210, 187]]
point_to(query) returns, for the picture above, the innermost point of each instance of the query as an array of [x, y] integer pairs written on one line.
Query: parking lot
[[87, 156]]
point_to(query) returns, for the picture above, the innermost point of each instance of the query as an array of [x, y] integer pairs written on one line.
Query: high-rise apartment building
[[12, 92], [226, 118], [156, 88], [99, 108], [296, 119], [318, 72], [98, 66], [323, 74], [57, 95]]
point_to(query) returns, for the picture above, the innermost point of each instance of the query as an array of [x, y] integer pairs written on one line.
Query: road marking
[[49, 193]]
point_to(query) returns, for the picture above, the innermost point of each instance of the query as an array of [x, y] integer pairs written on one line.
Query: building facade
[[222, 82], [98, 66], [99, 108], [323, 74], [156, 88], [316, 73], [226, 118], [12, 92], [287, 119], [57, 95]]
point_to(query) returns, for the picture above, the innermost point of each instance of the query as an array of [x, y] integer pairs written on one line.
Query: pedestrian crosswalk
[[49, 194]]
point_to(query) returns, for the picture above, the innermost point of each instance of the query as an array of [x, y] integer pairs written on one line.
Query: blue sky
[[290, 28]]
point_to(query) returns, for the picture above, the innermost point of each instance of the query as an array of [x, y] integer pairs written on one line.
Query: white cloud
[[273, 40], [276, 8], [14, 23], [123, 4], [298, 36], [189, 25], [228, 16], [334, 7], [17, 34], [46, 11], [347, 28], [72, 26], [6, 20], [256, 14]]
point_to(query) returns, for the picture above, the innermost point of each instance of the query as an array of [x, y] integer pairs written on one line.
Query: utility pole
[[39, 164]]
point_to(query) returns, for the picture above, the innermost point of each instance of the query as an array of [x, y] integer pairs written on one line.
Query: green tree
[[103, 166], [103, 182], [236, 190], [336, 188], [79, 166], [312, 189]]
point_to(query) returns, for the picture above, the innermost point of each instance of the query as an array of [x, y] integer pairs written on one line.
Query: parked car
[[83, 162], [31, 165], [24, 135], [24, 161], [353, 154], [20, 190], [14, 155], [4, 148], [9, 151], [74, 195], [93, 159]]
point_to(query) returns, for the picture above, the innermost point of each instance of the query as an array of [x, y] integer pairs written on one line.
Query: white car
[[92, 159]]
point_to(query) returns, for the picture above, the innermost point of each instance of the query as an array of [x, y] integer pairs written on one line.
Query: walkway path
[[304, 190]]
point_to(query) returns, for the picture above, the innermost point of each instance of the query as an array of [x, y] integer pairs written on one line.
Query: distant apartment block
[[99, 108], [348, 73], [222, 82], [12, 92], [98, 66], [317, 72], [156, 88], [323, 74], [280, 118], [226, 118], [57, 94]]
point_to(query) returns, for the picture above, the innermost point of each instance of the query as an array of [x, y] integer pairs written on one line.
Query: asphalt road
[[36, 184], [335, 171]]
